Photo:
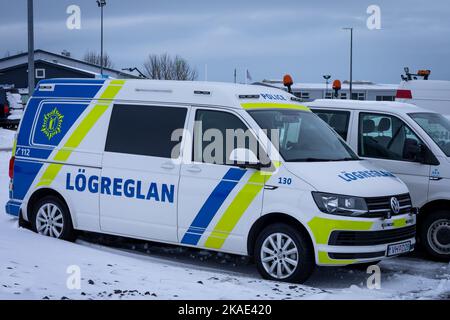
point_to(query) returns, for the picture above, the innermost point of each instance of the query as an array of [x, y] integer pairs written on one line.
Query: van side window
[[144, 130], [210, 136], [338, 120], [386, 137]]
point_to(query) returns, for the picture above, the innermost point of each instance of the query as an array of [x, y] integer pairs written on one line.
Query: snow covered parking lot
[[35, 267]]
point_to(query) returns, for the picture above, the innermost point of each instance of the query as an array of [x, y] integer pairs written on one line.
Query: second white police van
[[411, 142], [144, 159]]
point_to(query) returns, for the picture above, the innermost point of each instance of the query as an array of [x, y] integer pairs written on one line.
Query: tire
[[294, 241], [434, 233], [57, 226]]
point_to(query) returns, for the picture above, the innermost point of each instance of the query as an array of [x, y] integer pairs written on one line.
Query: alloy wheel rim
[[49, 220], [279, 255], [438, 228]]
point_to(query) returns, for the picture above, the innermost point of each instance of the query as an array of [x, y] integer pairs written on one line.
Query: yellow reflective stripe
[[80, 133], [400, 222], [322, 227], [325, 259], [259, 177], [110, 92], [237, 208], [117, 81], [269, 105], [14, 145], [50, 174], [233, 214]]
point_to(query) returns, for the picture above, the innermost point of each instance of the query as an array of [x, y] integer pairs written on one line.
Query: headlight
[[340, 205]]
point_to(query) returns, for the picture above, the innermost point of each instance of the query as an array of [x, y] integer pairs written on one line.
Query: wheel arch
[[271, 218], [43, 192], [441, 204]]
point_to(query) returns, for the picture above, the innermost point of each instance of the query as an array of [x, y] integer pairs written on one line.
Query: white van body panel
[[433, 95], [349, 177]]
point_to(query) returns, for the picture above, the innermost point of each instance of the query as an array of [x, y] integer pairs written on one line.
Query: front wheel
[[284, 253], [435, 234], [51, 218]]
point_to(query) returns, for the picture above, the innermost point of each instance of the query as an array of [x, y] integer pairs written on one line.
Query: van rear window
[[144, 130]]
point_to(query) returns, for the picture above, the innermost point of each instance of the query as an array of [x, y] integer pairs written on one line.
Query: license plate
[[399, 248]]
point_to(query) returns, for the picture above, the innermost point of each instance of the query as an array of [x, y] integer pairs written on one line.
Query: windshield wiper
[[310, 160], [347, 159], [320, 160]]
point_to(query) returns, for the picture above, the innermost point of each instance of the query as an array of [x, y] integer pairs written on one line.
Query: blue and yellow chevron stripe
[[212, 205]]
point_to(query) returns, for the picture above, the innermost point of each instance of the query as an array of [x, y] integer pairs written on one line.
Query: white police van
[[433, 95], [143, 159], [411, 142]]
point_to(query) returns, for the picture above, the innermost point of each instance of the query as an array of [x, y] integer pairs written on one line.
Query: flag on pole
[[248, 75]]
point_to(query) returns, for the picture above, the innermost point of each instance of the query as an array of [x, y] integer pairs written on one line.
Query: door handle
[[168, 165], [194, 169]]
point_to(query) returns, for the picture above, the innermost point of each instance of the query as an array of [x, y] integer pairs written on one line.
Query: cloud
[[270, 37]]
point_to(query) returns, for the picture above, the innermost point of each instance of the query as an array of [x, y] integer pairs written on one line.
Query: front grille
[[380, 206], [371, 238]]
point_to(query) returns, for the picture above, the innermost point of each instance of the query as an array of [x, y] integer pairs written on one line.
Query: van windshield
[[436, 126], [301, 136]]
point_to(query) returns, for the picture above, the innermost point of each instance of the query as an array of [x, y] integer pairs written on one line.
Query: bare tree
[[94, 58], [164, 67]]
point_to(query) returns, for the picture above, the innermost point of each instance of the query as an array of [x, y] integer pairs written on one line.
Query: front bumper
[[343, 241]]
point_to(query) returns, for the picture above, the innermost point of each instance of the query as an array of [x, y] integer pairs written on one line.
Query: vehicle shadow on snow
[[323, 277]]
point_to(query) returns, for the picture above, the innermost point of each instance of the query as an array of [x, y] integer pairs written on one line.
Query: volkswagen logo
[[395, 205]]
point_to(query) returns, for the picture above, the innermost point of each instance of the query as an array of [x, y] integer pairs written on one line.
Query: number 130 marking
[[283, 180]]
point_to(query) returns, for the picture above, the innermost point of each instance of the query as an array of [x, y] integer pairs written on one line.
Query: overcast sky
[[270, 38]]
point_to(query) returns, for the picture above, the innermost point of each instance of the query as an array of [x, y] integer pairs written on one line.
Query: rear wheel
[[435, 234], [284, 254], [51, 218]]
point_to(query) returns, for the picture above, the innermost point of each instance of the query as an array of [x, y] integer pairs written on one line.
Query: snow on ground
[[16, 105], [6, 138], [35, 267], [15, 114]]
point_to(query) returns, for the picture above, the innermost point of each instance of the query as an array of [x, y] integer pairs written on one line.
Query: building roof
[[357, 85], [63, 61]]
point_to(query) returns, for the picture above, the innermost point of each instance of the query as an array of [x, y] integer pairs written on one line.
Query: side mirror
[[419, 153], [413, 150], [245, 158]]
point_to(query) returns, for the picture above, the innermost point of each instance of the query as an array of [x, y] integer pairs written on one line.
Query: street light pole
[[30, 49], [101, 4], [351, 60], [327, 78]]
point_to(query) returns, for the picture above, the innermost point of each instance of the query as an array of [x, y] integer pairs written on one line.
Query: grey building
[[14, 69]]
